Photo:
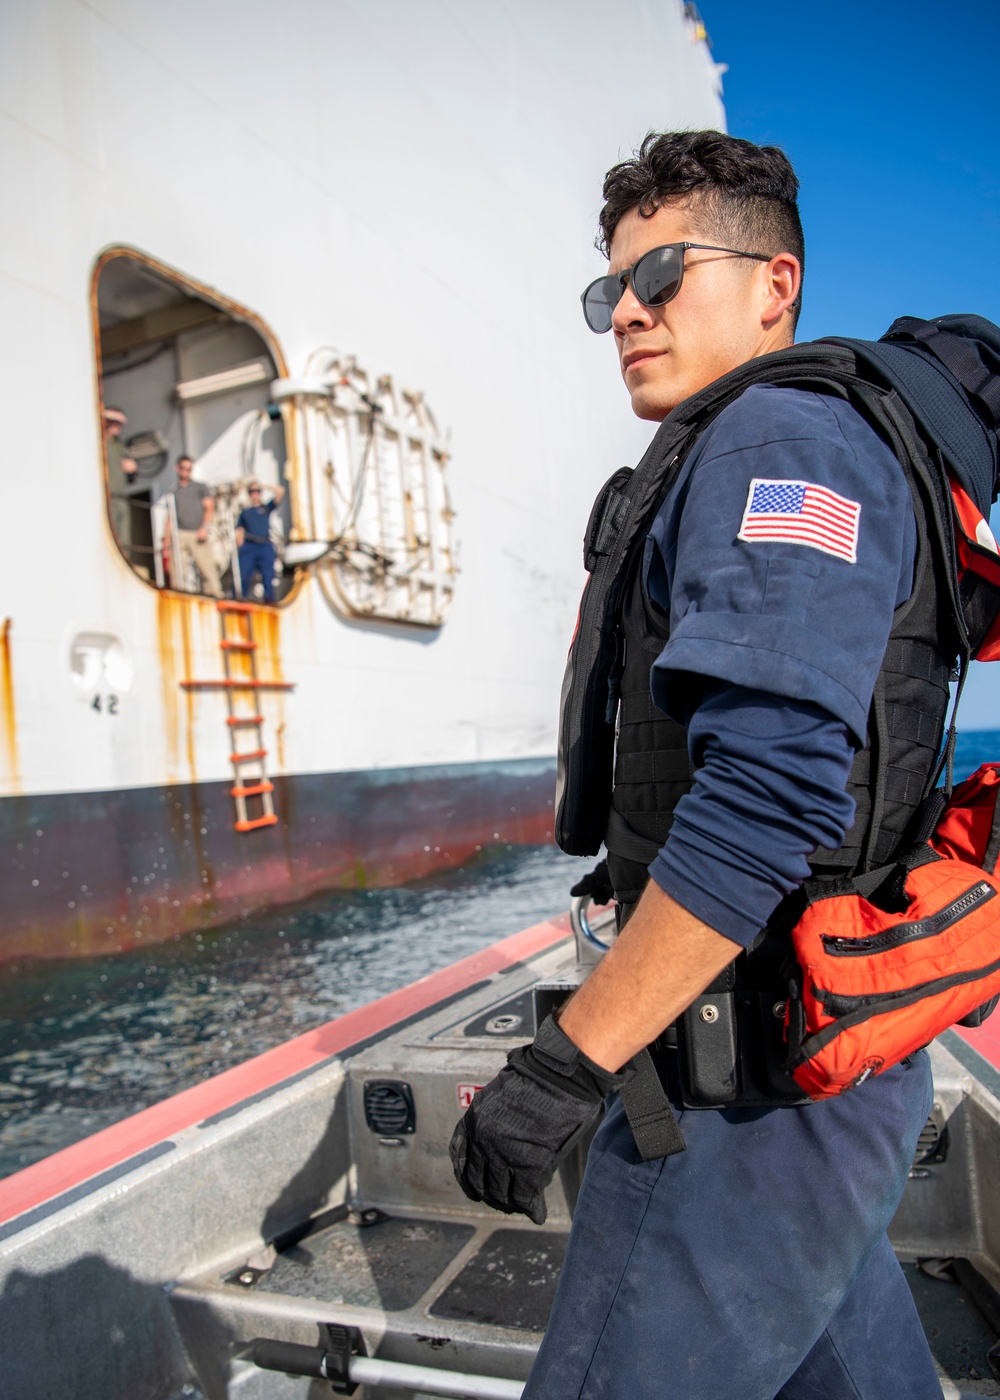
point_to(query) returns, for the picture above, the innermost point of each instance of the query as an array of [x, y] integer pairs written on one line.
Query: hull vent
[[389, 1108], [932, 1144]]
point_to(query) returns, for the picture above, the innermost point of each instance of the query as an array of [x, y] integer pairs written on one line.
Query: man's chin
[[651, 406]]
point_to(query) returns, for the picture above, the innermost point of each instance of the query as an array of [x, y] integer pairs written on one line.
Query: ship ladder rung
[[229, 606], [251, 757], [244, 721], [252, 790], [252, 823], [238, 644]]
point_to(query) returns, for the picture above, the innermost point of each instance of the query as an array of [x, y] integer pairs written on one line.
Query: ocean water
[[87, 1042]]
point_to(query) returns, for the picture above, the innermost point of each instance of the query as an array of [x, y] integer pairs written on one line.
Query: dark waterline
[[87, 1042]]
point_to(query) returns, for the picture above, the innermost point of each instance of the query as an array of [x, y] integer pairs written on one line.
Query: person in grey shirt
[[194, 507], [122, 473]]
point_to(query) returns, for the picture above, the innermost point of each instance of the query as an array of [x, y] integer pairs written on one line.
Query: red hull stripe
[[985, 1039], [115, 1145]]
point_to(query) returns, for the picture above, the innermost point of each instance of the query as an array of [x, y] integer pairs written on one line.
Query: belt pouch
[[731, 1041], [767, 1010], [706, 1042]]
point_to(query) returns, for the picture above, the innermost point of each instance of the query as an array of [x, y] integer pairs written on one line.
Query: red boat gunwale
[[114, 1146], [985, 1039]]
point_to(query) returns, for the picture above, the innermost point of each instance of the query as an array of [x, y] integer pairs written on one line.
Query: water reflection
[[85, 1043]]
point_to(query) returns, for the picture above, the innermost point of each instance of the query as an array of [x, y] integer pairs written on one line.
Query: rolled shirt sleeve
[[769, 788]]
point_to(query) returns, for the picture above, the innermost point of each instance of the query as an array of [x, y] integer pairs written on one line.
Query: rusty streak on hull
[[113, 871], [9, 717]]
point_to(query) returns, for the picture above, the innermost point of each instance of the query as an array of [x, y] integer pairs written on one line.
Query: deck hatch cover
[[389, 1108]]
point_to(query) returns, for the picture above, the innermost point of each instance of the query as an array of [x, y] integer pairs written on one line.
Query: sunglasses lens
[[657, 275], [599, 301]]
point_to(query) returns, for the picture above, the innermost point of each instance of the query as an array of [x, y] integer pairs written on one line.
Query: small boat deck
[[316, 1191], [434, 1284], [441, 1293]]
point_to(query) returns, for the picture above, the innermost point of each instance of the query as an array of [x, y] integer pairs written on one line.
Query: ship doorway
[[185, 374]]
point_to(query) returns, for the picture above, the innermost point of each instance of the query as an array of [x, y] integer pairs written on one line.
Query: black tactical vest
[[931, 390], [890, 775]]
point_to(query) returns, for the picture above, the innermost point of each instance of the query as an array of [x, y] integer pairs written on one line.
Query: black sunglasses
[[656, 279]]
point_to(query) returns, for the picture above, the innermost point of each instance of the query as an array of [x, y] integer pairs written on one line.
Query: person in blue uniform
[[253, 537], [754, 1264]]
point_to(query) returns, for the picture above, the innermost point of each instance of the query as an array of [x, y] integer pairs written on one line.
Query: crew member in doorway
[[122, 474], [253, 535], [743, 1255], [194, 508]]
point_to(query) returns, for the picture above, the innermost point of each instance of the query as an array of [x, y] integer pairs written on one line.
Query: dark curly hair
[[741, 194]]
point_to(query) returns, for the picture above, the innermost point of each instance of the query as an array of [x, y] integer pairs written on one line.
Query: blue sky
[[889, 113]]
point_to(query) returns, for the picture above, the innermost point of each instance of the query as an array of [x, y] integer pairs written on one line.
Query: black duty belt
[[666, 1040]]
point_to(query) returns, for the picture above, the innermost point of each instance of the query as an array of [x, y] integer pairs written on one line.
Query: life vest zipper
[[838, 947]]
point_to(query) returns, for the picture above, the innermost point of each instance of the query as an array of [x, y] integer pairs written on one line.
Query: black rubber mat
[[509, 1282], [387, 1265]]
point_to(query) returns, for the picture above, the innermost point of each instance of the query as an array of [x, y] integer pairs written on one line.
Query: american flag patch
[[799, 512]]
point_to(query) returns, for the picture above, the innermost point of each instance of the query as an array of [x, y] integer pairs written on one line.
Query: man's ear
[[780, 286]]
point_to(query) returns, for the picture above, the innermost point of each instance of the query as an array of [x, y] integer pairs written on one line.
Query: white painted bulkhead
[[415, 185]]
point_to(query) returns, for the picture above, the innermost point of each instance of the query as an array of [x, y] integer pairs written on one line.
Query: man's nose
[[630, 313]]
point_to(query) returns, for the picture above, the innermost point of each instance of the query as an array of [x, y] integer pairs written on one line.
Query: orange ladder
[[242, 686]]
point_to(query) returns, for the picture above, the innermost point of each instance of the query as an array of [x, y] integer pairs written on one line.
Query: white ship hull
[[418, 189]]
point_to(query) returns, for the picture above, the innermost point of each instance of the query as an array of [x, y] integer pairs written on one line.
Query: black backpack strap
[[622, 840], [958, 357], [946, 763]]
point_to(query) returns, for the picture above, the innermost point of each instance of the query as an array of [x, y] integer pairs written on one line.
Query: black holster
[[731, 1044]]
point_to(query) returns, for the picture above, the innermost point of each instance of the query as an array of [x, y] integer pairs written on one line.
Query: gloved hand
[[597, 885], [519, 1127]]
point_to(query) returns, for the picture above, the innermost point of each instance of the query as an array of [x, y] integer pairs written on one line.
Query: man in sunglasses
[[753, 1264]]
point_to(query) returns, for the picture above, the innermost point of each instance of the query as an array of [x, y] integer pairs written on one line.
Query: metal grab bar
[[581, 925], [366, 1370], [331, 1365]]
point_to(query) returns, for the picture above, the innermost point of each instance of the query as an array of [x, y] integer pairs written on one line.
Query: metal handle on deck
[[368, 1371], [581, 924], [297, 1360], [290, 1357]]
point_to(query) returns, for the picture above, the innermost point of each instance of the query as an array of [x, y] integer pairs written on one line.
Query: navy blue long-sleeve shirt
[[780, 554]]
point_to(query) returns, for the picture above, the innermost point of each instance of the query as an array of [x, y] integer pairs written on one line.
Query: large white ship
[[335, 247]]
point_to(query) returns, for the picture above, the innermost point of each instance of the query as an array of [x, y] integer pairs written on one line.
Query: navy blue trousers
[[257, 558], [754, 1265]]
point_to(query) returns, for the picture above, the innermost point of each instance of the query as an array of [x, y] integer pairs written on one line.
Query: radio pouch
[[889, 959], [731, 1039]]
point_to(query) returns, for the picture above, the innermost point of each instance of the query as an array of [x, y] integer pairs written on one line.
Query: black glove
[[597, 885], [519, 1127]]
